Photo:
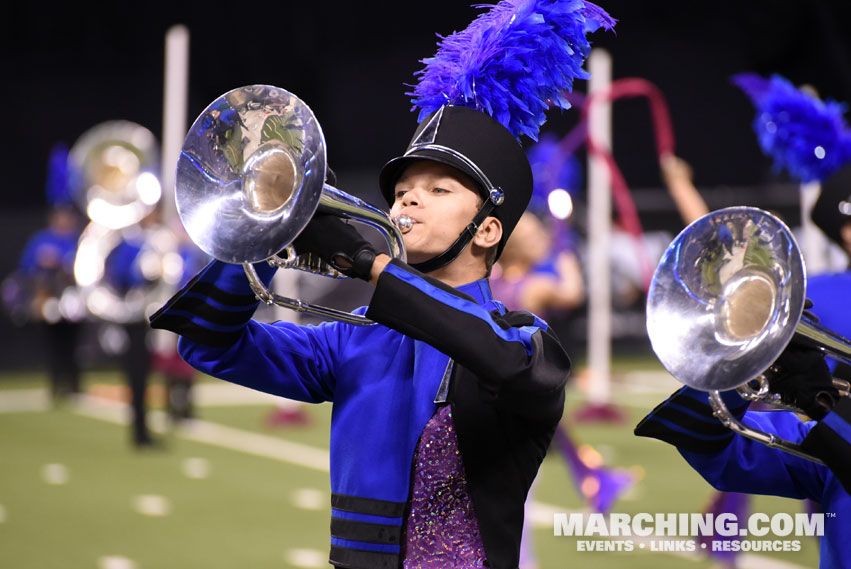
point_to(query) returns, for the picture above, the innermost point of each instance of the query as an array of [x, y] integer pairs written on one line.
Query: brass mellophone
[[250, 177], [725, 301]]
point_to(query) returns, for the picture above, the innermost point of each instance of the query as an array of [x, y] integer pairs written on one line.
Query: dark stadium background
[[68, 67]]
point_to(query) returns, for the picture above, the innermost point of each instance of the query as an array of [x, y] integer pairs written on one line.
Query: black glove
[[802, 379], [338, 244], [806, 312]]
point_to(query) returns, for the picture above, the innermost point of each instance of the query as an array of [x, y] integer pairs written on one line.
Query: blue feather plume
[[801, 133], [58, 187], [512, 62], [552, 168]]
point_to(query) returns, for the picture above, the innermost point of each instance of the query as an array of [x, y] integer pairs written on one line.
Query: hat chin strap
[[463, 240]]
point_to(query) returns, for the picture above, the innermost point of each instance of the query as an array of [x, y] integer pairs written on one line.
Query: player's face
[[440, 200]]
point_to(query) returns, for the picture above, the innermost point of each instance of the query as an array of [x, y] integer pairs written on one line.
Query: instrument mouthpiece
[[404, 223]]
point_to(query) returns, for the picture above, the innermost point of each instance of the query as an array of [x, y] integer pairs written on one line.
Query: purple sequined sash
[[441, 531]]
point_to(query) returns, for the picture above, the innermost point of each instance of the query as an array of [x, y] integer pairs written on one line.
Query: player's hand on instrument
[[808, 304], [802, 379], [337, 243]]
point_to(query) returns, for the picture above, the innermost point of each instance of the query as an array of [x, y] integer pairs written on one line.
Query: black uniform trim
[[701, 434], [368, 506], [198, 306], [356, 558], [501, 452], [183, 326], [682, 440], [203, 288], [227, 298], [505, 371], [709, 426], [703, 408], [826, 444], [365, 531]]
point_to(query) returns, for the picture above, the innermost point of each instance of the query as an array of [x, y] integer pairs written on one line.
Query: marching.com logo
[[721, 532]]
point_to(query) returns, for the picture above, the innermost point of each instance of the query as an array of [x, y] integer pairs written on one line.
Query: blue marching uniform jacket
[[733, 463], [829, 293], [62, 247], [503, 373]]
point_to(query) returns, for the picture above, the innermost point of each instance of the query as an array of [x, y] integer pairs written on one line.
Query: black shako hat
[[832, 209], [480, 147]]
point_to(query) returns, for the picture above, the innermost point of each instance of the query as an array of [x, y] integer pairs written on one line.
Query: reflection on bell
[[725, 301], [747, 305], [271, 178], [251, 175], [725, 298]]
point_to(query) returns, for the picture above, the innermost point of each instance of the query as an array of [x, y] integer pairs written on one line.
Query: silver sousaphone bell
[[115, 182], [725, 301], [250, 177], [114, 165]]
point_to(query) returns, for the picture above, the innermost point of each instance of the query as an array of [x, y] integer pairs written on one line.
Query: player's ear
[[489, 233]]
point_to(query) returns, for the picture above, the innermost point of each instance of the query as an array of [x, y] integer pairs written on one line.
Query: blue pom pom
[[802, 134], [512, 62]]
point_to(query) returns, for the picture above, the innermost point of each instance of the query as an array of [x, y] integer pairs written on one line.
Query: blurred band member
[[37, 291]]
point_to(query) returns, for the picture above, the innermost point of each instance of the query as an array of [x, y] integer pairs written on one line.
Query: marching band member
[[829, 291], [150, 262], [123, 272], [45, 273], [443, 411], [729, 461], [733, 463]]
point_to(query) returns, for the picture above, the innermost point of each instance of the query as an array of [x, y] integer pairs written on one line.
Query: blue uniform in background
[[33, 292], [831, 296], [122, 272], [121, 268], [61, 246], [45, 270]]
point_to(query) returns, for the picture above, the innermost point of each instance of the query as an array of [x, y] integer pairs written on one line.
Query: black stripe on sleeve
[[359, 559], [709, 426], [368, 506], [830, 447], [681, 439], [193, 300], [364, 531], [735, 404], [703, 434], [183, 326], [199, 307], [223, 297]]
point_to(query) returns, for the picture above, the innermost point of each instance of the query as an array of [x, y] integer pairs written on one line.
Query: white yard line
[[633, 389], [257, 444], [18, 400], [214, 434]]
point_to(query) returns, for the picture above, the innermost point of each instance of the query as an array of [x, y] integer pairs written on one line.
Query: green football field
[[227, 491]]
